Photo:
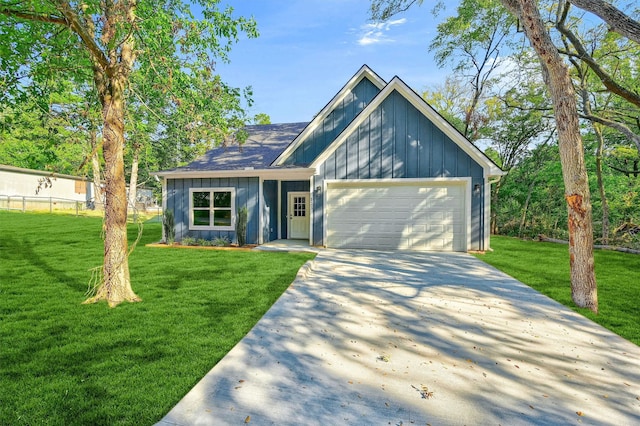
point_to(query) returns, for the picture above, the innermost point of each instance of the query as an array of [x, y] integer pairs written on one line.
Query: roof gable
[[333, 118], [397, 85]]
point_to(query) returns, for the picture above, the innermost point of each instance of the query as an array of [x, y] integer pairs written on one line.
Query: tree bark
[[95, 168], [116, 282], [556, 75], [133, 179], [525, 209], [494, 207], [616, 19], [111, 75], [601, 189]]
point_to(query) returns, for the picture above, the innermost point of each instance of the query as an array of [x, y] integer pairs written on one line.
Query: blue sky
[[308, 49]]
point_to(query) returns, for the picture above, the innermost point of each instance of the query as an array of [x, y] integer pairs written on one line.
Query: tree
[[473, 40], [559, 84], [607, 62], [102, 43], [558, 80]]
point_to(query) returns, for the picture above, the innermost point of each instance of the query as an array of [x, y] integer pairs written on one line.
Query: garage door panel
[[412, 217]]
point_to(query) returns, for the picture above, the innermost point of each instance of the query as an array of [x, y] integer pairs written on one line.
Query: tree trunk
[[133, 180], [494, 207], [525, 209], [615, 18], [603, 194], [95, 168], [556, 75], [116, 283]]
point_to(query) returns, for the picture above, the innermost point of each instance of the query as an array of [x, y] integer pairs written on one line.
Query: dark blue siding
[[289, 186], [246, 195], [397, 141], [270, 194], [334, 123]]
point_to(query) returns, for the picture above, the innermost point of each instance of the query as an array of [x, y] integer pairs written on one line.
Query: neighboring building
[[19, 182], [376, 168]]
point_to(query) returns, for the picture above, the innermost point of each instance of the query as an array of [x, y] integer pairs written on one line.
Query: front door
[[298, 215]]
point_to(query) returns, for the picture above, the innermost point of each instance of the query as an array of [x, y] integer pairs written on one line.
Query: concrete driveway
[[377, 338]]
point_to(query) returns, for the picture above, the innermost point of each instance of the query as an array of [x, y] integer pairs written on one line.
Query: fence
[[62, 205], [51, 204]]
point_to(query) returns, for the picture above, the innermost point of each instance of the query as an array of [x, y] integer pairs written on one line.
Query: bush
[[203, 242], [188, 241], [241, 226], [220, 242], [168, 224]]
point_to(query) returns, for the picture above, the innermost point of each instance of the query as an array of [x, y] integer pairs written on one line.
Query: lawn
[[545, 267], [62, 362]]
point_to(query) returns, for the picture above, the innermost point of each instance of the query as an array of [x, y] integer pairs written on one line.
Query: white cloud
[[376, 32]]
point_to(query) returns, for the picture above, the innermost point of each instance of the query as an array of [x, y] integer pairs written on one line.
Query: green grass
[[65, 363], [545, 267]]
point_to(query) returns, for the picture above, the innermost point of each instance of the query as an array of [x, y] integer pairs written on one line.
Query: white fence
[[51, 204]]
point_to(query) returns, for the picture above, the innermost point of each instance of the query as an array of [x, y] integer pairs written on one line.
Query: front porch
[[289, 245]]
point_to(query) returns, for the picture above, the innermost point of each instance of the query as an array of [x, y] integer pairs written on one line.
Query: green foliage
[[177, 107], [203, 242], [618, 288], [220, 242], [168, 224], [73, 364], [241, 225], [533, 189], [188, 241], [262, 118]]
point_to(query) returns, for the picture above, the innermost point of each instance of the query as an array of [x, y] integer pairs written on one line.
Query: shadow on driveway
[[400, 338]]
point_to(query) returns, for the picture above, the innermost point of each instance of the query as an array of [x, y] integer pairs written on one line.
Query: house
[[377, 168], [20, 186]]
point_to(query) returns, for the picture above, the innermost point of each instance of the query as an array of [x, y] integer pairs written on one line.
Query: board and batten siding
[[286, 188], [270, 210], [396, 141], [352, 104], [247, 195]]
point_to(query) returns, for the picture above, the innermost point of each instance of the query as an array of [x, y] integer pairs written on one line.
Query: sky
[[308, 49]]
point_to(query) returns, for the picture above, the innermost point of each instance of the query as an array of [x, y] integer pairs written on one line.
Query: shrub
[[188, 241], [241, 226], [168, 224], [220, 242]]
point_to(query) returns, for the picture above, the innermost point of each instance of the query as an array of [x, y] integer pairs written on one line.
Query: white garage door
[[391, 216]]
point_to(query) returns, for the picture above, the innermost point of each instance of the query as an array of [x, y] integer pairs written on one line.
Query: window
[[212, 208], [300, 206]]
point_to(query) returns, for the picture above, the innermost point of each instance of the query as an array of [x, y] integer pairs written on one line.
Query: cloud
[[375, 33]]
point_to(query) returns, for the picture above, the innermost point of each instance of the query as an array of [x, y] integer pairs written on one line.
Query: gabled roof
[[396, 84], [268, 146], [363, 72], [264, 144]]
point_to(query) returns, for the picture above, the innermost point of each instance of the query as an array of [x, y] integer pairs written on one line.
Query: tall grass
[[62, 362]]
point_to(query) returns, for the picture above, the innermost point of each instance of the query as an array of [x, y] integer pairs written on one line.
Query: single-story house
[[18, 182], [376, 168]]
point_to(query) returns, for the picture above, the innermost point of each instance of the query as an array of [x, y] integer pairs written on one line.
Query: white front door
[[298, 215]]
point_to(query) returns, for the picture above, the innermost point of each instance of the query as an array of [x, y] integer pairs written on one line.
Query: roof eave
[[294, 173]]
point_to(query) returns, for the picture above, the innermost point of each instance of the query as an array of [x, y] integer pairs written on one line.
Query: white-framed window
[[212, 208]]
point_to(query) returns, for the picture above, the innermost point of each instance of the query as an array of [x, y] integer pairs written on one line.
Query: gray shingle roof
[[264, 144]]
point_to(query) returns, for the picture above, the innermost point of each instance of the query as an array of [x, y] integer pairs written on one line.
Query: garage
[[396, 215]]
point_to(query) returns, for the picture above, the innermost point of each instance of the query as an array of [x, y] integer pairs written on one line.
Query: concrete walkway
[[377, 338]]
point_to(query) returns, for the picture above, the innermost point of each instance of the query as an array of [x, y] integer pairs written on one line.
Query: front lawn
[[545, 267], [62, 362]]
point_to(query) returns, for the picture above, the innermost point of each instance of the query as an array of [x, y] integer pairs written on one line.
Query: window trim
[[212, 209]]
